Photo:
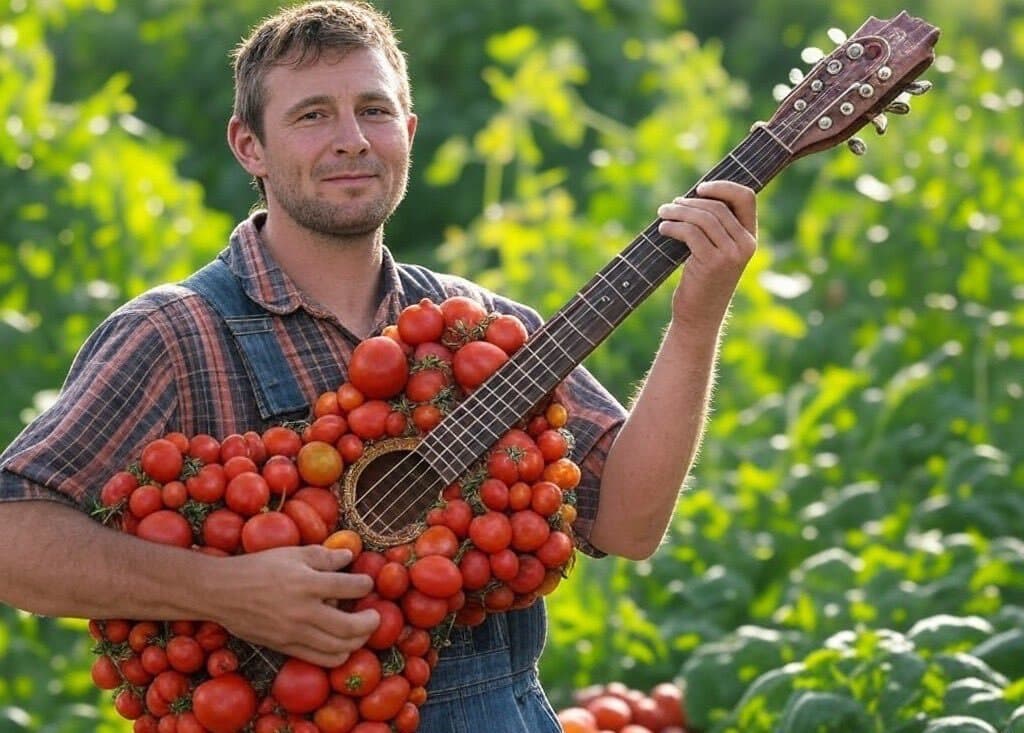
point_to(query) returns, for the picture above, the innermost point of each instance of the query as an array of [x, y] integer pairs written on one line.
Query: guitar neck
[[566, 339]]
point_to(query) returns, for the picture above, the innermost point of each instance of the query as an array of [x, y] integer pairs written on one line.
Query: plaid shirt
[[166, 362]]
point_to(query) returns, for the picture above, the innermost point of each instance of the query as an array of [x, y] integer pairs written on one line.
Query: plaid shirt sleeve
[[595, 416], [118, 394]]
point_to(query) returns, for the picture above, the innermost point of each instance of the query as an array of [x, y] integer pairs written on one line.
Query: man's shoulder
[[159, 306]]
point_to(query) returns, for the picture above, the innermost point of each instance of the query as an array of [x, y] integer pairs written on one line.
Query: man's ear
[[247, 148]]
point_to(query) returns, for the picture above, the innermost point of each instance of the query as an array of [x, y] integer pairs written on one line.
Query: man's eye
[[375, 112], [312, 115]]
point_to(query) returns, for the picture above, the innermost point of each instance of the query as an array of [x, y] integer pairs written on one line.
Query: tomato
[[500, 465], [271, 723], [490, 532], [421, 322], [338, 715], [399, 553], [529, 530], [351, 447], [378, 368], [530, 576], [281, 475], [161, 460], [358, 675], [369, 420], [173, 494], [345, 539], [146, 723], [436, 540], [568, 513], [471, 615], [475, 362], [319, 463], [105, 674], [545, 498], [475, 567], [269, 529], [166, 527], [257, 450], [386, 699], [416, 670], [563, 472], [224, 704], [504, 564], [425, 384], [281, 441], [392, 580], [577, 720], [133, 671], [328, 428], [349, 397], [414, 642], [418, 695], [184, 654], [426, 417], [537, 425], [391, 622], [556, 415], [211, 635], [556, 550], [499, 599], [221, 662], [326, 404], [222, 529], [669, 698], [423, 611], [507, 332], [461, 316], [368, 563], [233, 445], [189, 723], [396, 424], [325, 503], [553, 445], [128, 704], [408, 719], [208, 485], [118, 488], [116, 630], [530, 464], [301, 687], [168, 686], [610, 712], [432, 352], [371, 727], [145, 500], [494, 494], [312, 528], [142, 634], [247, 493], [436, 575], [204, 447], [154, 660]]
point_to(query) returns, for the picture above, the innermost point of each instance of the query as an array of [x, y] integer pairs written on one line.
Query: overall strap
[[274, 385]]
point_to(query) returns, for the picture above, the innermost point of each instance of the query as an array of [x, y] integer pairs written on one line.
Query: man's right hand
[[285, 599]]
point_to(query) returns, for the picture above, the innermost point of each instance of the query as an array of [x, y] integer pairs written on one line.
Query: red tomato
[[247, 493], [368, 563], [461, 315], [204, 447], [436, 575], [358, 675], [416, 670], [349, 397], [222, 529], [162, 460], [392, 580], [610, 712], [530, 464], [545, 498], [233, 445], [436, 540], [166, 527], [269, 529], [456, 515], [118, 488], [475, 362], [338, 715], [325, 503], [494, 494], [312, 528], [426, 417], [211, 635], [391, 622], [154, 660], [224, 704], [408, 719], [257, 450], [350, 446], [530, 576], [414, 642], [423, 611], [553, 445], [556, 550], [184, 654], [128, 704], [475, 567], [491, 532], [529, 530], [105, 674], [369, 420], [281, 441], [174, 494], [421, 322], [301, 687], [386, 700], [500, 465], [396, 424], [281, 475], [237, 465], [326, 404], [328, 428], [425, 384], [145, 500], [432, 353], [221, 662], [208, 485], [378, 368], [507, 332], [319, 463], [504, 564], [133, 671], [499, 599]]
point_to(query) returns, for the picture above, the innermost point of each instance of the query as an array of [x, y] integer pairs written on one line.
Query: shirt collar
[[268, 285]]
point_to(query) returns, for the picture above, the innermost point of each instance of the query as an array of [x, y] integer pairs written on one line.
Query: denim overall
[[486, 679]]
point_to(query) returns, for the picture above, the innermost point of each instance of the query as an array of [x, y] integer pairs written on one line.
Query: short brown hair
[[299, 35]]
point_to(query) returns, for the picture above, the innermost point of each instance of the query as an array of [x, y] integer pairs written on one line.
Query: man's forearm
[[56, 561], [652, 454]]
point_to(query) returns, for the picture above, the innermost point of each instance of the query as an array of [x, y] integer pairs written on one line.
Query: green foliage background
[[847, 556]]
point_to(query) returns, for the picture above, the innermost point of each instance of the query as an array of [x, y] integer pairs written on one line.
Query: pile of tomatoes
[[617, 707], [497, 539]]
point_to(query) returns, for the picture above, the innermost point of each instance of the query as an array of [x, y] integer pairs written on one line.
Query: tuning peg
[[881, 123], [917, 88], [837, 36], [898, 107], [857, 146]]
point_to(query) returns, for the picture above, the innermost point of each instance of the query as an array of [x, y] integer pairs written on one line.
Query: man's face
[[336, 143]]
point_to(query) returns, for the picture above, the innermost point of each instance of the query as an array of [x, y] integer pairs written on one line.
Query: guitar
[[386, 494]]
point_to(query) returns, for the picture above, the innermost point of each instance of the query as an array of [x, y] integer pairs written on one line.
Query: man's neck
[[340, 273]]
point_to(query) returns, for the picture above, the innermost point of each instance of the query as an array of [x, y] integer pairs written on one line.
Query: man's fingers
[[740, 199], [324, 558]]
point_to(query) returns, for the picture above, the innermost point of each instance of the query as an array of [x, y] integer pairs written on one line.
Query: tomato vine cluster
[[497, 539]]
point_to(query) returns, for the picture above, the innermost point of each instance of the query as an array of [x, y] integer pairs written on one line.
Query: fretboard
[[566, 339]]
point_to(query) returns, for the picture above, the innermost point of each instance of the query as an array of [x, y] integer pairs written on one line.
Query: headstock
[[854, 85]]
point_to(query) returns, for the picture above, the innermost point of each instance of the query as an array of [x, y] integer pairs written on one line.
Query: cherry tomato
[[391, 622], [408, 719], [436, 575], [328, 428], [436, 540], [421, 322], [349, 397], [301, 687], [529, 530], [174, 494], [162, 460], [461, 315], [312, 528], [494, 494], [504, 564], [563, 472], [281, 441], [269, 529], [507, 332], [184, 654], [166, 527], [204, 447], [145, 500], [475, 567], [556, 550], [426, 417], [386, 699], [118, 488], [490, 532], [222, 529], [358, 675], [221, 662], [423, 611], [247, 493], [392, 580], [233, 445], [378, 368], [545, 498], [224, 704], [105, 674], [475, 362], [128, 704], [281, 475], [530, 576], [319, 463], [425, 384], [338, 715], [208, 484], [369, 420], [345, 539]]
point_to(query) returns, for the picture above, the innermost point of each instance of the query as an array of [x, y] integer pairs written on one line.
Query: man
[[323, 121]]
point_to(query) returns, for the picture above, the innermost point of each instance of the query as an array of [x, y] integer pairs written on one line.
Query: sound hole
[[394, 491]]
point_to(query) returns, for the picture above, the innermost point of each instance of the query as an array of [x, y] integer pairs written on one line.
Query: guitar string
[[767, 149]]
